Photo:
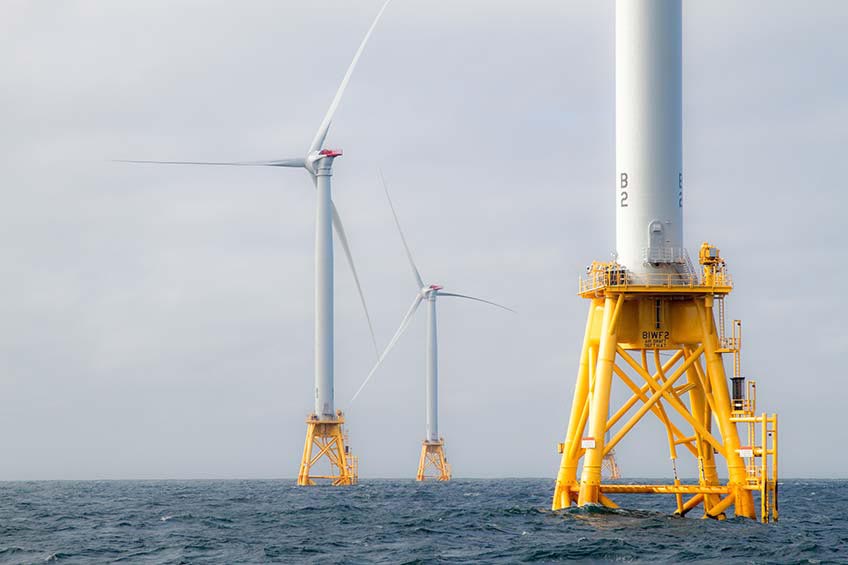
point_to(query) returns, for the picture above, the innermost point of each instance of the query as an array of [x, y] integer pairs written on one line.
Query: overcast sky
[[156, 322]]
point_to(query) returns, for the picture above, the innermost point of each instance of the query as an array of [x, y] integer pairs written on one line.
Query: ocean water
[[396, 521]]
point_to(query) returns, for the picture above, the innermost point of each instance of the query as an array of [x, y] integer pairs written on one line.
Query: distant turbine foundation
[[433, 459], [630, 322], [326, 439], [609, 466]]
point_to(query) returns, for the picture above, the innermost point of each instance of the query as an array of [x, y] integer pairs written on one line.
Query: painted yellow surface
[[433, 459], [631, 323], [326, 441]]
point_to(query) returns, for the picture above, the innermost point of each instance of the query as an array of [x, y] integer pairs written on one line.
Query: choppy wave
[[383, 521]]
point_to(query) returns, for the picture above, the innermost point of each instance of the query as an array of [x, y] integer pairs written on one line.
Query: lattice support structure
[[629, 327], [609, 467], [326, 448], [434, 461]]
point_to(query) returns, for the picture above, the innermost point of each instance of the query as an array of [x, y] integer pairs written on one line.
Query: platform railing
[[612, 275]]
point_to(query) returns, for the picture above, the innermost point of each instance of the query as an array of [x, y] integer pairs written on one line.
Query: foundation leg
[[743, 500], [567, 475], [599, 393]]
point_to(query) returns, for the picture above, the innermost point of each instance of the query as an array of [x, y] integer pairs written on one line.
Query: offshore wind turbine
[[650, 301], [325, 424], [432, 448]]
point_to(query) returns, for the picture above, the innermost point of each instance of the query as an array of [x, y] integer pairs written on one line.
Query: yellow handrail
[[606, 275]]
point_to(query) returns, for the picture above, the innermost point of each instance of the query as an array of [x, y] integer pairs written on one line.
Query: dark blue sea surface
[[396, 521]]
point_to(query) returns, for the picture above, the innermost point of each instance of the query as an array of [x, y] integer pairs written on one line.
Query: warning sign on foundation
[[746, 451], [587, 443]]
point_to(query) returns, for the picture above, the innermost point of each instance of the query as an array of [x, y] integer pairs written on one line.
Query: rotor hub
[[430, 290], [324, 157]]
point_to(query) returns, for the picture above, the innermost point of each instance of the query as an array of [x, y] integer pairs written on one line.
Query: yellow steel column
[[422, 462], [744, 500], [707, 474], [303, 475], [710, 471], [590, 480], [344, 469], [774, 513], [444, 466], [764, 478], [567, 475]]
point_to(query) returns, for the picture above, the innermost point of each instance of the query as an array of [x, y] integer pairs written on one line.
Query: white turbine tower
[[324, 426], [432, 450]]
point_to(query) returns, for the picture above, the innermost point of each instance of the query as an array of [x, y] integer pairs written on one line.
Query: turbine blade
[[340, 233], [276, 163], [415, 272], [321, 135], [401, 329], [440, 293]]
